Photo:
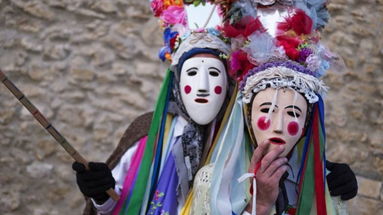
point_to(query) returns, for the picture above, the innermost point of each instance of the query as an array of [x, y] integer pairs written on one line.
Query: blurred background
[[91, 66]]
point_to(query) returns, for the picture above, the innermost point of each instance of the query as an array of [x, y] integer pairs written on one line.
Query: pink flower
[[174, 15], [157, 7]]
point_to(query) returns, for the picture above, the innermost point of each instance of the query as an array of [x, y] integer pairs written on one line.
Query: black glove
[[341, 181], [94, 182]]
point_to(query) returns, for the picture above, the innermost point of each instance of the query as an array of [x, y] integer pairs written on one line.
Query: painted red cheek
[[218, 89], [187, 89], [293, 128], [263, 124]]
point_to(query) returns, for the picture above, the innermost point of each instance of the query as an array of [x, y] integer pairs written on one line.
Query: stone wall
[[91, 66]]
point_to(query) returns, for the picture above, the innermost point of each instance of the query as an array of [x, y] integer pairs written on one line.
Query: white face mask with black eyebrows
[[278, 116], [203, 85]]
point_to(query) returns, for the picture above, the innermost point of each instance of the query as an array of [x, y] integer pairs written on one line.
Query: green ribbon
[[136, 199], [307, 196]]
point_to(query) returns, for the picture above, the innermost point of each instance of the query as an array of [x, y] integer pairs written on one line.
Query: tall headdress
[[276, 43], [180, 42]]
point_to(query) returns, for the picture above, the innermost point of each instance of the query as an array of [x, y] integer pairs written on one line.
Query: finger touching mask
[[203, 86], [278, 116]]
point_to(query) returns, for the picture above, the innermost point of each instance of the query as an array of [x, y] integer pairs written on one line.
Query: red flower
[[173, 42], [300, 23], [245, 27], [239, 65], [290, 45]]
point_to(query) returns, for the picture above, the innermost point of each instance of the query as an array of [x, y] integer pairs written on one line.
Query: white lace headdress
[[282, 74], [208, 39]]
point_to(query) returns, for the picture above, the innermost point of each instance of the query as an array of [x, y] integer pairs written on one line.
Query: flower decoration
[[157, 7], [299, 23], [243, 28], [239, 65], [262, 47], [304, 53], [291, 34], [316, 9], [271, 2], [168, 3], [170, 39], [174, 15], [296, 38]]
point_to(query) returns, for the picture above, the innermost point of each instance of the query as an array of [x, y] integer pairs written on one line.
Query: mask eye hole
[[214, 73], [265, 110], [291, 113], [192, 73]]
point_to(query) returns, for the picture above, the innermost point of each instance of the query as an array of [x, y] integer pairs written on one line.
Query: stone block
[[10, 201], [82, 74], [37, 73], [102, 57], [35, 8], [147, 69], [364, 206], [369, 188], [31, 45], [56, 51], [6, 115], [57, 33], [125, 48], [104, 6], [151, 33], [87, 13], [45, 148], [72, 115], [39, 169]]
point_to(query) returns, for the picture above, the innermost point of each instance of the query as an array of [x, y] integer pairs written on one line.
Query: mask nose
[[278, 126], [203, 81]]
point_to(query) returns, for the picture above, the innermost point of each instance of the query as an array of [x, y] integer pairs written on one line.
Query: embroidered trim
[[200, 40], [282, 77]]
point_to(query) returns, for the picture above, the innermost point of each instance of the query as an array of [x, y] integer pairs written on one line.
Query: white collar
[[179, 126]]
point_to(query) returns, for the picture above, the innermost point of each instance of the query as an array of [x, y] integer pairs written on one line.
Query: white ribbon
[[254, 198]]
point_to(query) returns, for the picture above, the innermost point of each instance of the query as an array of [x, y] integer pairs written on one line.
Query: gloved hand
[[341, 181], [94, 182]]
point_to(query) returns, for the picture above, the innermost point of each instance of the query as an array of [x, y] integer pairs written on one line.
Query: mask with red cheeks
[[278, 115], [203, 85]]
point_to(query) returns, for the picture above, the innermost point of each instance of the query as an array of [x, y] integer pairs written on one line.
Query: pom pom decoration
[[245, 27], [170, 38], [299, 23], [262, 47], [239, 65]]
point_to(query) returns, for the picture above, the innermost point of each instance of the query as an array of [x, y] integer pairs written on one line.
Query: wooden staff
[[49, 127]]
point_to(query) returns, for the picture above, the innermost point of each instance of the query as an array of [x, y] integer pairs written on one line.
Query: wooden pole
[[49, 127]]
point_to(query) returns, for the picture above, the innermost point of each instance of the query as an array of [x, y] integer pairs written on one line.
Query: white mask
[[282, 125], [203, 86]]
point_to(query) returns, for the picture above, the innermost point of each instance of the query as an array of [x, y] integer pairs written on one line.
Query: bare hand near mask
[[268, 174]]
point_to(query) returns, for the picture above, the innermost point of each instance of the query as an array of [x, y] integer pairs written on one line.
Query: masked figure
[[284, 106], [277, 59], [154, 167]]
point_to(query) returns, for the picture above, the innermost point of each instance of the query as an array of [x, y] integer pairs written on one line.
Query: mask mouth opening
[[277, 141], [201, 100]]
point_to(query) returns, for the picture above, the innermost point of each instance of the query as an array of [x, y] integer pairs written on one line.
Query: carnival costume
[[155, 174], [155, 170], [279, 51]]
